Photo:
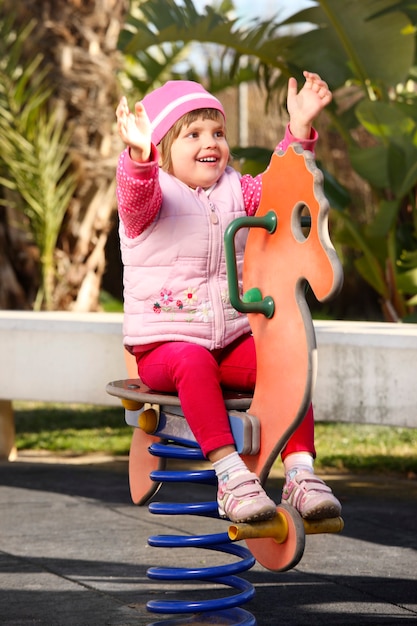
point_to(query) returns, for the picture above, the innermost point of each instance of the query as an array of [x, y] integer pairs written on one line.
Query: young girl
[[175, 202]]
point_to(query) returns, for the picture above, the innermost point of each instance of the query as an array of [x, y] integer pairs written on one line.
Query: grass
[[81, 429], [75, 429], [366, 448]]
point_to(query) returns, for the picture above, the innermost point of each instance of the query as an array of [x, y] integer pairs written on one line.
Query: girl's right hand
[[135, 130]]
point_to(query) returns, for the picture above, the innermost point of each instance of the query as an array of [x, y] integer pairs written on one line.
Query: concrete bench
[[366, 373], [56, 357]]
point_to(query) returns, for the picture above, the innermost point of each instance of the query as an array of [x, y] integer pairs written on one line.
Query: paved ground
[[73, 552]]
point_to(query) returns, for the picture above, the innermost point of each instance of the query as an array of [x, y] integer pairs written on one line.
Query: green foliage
[[109, 304], [34, 162], [252, 159], [155, 43]]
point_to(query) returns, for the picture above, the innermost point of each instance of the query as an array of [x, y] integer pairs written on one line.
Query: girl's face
[[200, 153]]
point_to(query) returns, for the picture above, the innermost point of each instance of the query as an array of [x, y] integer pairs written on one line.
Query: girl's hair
[[187, 119]]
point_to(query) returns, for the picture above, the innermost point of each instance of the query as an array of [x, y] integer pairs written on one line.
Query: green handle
[[252, 301]]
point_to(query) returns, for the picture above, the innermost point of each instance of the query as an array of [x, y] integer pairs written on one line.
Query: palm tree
[[35, 157], [76, 43]]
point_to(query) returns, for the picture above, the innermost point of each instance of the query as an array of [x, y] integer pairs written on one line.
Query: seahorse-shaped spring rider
[[288, 247]]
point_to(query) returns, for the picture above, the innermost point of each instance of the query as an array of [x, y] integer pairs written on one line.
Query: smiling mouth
[[208, 160]]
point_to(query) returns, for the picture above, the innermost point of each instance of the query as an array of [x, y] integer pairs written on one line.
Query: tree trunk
[[19, 275]]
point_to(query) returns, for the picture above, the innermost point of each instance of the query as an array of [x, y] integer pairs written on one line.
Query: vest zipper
[[215, 294], [213, 215]]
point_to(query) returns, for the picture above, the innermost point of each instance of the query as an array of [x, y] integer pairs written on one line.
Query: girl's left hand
[[304, 106]]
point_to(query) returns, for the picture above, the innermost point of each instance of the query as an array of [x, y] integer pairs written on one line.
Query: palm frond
[[34, 160]]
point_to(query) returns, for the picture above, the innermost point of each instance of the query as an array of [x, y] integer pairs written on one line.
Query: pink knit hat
[[168, 103]]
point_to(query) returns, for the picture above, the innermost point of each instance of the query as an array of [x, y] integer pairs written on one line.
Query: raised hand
[[304, 105], [134, 129]]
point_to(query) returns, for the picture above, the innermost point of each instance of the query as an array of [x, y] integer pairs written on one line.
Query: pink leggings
[[198, 376]]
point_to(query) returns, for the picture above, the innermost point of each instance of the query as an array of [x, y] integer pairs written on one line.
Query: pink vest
[[175, 283]]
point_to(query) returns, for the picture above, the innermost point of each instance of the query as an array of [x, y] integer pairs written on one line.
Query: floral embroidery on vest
[[201, 311]]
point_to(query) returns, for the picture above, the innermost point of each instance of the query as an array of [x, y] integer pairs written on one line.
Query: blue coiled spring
[[209, 611]]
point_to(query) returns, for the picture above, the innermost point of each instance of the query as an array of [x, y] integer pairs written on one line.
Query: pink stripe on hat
[[167, 104]]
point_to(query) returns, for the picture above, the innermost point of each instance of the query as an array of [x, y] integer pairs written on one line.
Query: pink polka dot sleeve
[[139, 195], [307, 144], [252, 187]]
